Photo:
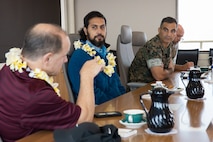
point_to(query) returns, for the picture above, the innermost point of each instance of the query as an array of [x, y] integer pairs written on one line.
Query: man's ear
[[85, 30], [46, 59]]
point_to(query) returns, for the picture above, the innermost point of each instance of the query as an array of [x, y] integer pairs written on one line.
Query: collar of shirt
[[101, 50]]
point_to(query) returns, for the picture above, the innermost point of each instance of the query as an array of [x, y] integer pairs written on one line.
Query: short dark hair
[[168, 20], [37, 43], [89, 16]]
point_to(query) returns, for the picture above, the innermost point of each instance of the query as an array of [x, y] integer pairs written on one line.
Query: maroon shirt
[[28, 105]]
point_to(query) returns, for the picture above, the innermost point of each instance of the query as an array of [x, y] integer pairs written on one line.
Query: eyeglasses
[[181, 37]]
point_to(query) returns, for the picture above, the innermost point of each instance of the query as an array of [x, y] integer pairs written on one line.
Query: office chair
[[138, 40], [73, 37], [125, 56], [187, 55], [210, 56]]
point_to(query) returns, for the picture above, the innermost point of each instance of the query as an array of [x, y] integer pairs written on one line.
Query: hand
[[171, 66], [91, 68], [188, 65]]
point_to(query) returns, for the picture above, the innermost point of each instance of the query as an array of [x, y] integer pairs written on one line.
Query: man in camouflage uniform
[[179, 35], [154, 60]]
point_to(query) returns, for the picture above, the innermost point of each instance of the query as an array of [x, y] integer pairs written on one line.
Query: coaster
[[173, 131], [198, 99]]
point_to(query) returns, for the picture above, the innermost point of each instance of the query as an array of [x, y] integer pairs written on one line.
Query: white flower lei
[[14, 61], [109, 69]]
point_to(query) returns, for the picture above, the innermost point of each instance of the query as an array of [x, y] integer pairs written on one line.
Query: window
[[196, 18]]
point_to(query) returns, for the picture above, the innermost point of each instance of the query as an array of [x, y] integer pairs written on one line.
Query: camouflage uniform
[[151, 54], [174, 52]]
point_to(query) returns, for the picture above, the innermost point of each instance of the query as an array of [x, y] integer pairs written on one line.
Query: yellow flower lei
[[14, 61], [109, 69]]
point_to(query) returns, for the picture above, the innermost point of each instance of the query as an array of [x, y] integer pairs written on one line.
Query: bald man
[[26, 85], [179, 35]]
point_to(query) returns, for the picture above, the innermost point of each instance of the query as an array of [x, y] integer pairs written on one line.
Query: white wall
[[143, 15], [67, 15], [203, 59]]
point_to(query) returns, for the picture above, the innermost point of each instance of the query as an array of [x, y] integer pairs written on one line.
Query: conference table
[[193, 118]]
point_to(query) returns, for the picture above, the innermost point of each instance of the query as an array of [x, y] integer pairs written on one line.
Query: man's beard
[[97, 43]]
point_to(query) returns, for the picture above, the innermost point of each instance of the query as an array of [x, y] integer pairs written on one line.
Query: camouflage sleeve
[[174, 50], [154, 62], [153, 55]]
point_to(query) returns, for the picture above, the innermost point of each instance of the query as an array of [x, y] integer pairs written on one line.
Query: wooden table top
[[193, 119]]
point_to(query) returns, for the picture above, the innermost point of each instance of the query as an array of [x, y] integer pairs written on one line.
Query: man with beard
[[154, 60], [91, 45]]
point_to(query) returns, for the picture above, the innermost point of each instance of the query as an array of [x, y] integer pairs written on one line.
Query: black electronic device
[[107, 114]]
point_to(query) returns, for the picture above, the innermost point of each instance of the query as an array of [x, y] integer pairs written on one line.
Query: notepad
[[126, 132]]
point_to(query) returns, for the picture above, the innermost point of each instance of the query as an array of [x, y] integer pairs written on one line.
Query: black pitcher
[[194, 89], [159, 118]]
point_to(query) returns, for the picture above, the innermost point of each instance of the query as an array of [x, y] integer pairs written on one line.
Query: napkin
[[126, 132], [174, 107], [208, 81]]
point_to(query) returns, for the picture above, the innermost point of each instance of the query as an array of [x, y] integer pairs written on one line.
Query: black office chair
[[190, 55], [210, 56], [73, 37]]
